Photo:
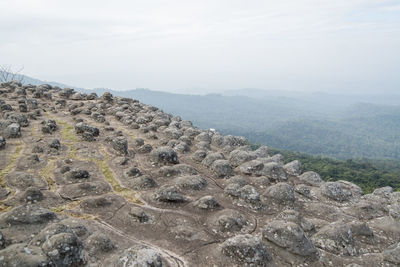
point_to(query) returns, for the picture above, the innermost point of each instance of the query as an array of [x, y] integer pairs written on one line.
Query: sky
[[206, 46]]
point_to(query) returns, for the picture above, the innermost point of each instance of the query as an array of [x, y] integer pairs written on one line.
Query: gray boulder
[[336, 238], [290, 236], [138, 256], [222, 168], [120, 144], [193, 182], [282, 193], [238, 157], [199, 155], [311, 178], [49, 126], [211, 157], [336, 191], [247, 250], [207, 203], [64, 249], [164, 155], [82, 127], [12, 131], [168, 193], [293, 167]]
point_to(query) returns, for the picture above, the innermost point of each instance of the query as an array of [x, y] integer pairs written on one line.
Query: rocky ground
[[109, 181]]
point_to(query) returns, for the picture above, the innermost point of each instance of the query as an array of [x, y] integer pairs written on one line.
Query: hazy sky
[[210, 44]]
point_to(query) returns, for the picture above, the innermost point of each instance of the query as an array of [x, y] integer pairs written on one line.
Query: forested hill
[[311, 125]]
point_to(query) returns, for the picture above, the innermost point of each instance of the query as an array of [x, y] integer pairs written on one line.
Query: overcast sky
[[209, 45]]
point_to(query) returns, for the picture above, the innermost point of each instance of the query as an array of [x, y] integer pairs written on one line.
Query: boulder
[[311, 178], [164, 155], [168, 193], [12, 131], [49, 126], [282, 193], [138, 256], [229, 221], [64, 249], [336, 191], [222, 168], [82, 127], [207, 203], [193, 182], [290, 236], [246, 250], [99, 243], [336, 238], [211, 157], [120, 144], [293, 167]]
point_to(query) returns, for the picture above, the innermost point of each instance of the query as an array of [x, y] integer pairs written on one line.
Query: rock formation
[[110, 181]]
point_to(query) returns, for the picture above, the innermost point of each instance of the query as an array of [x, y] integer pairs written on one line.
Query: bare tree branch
[[8, 74]]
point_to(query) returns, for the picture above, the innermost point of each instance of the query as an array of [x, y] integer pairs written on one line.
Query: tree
[[7, 74]]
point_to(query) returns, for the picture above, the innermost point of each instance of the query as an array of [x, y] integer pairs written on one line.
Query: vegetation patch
[[367, 173], [47, 174], [11, 163]]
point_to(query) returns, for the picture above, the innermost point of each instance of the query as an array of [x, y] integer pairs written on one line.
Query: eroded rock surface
[[110, 181]]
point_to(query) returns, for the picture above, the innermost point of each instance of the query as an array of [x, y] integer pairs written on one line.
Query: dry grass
[[11, 163], [47, 174]]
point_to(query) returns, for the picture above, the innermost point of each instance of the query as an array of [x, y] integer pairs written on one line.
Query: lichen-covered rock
[[207, 203], [138, 256], [336, 238], [64, 249], [238, 157], [293, 167], [55, 143], [99, 243], [164, 155], [82, 127], [199, 155], [49, 126], [290, 215], [12, 131], [274, 171], [335, 191], [282, 193], [247, 250], [229, 221], [222, 168], [290, 236], [193, 182], [120, 144], [311, 178], [168, 193], [211, 157], [142, 182]]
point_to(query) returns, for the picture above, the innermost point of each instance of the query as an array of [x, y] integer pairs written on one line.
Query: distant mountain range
[[337, 125]]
